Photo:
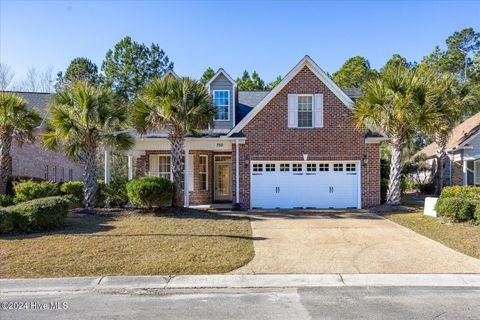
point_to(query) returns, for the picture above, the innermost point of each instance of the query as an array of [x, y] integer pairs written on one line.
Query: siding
[[222, 83], [475, 152]]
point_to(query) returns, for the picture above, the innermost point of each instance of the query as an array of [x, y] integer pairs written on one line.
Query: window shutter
[[292, 111], [153, 165], [191, 182], [318, 109]]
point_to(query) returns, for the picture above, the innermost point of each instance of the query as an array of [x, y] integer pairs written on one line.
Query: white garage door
[[307, 184]]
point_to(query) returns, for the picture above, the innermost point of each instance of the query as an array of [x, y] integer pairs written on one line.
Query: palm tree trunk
[[90, 177], [177, 139], [5, 146], [440, 142], [394, 189]]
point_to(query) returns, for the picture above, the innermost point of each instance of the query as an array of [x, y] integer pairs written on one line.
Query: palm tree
[[397, 102], [84, 119], [448, 106], [16, 122], [181, 106]]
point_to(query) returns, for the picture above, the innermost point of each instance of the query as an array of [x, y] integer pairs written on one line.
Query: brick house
[[462, 163], [295, 146], [32, 160]]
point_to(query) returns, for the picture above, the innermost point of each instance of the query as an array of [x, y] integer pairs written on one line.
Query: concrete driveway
[[345, 242]]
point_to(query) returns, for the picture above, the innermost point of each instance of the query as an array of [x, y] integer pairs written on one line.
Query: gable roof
[[219, 72], [460, 135], [305, 62], [172, 73], [39, 100]]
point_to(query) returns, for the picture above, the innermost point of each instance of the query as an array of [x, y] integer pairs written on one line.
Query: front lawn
[[462, 237], [123, 242]]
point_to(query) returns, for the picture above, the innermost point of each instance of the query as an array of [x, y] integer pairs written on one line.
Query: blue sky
[[269, 37]]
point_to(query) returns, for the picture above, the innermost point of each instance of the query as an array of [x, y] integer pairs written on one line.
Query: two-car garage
[[305, 184]]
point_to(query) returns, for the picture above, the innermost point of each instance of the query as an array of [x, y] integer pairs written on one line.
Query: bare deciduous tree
[[6, 76], [36, 81]]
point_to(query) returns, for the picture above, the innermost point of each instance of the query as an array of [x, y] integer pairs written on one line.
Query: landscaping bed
[[131, 242]]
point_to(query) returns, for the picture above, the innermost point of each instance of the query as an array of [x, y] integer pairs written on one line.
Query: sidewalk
[[235, 281]]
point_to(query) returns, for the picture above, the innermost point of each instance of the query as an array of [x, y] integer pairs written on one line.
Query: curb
[[235, 282]]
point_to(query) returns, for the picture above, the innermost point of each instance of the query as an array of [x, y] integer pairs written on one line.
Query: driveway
[[345, 242]]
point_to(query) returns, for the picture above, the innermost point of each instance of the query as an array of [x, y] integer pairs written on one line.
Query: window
[[338, 167], [221, 100], [45, 172], [350, 167], [323, 167], [296, 167], [476, 172], [284, 167], [63, 174], [270, 167], [203, 172], [165, 167], [305, 111], [257, 167], [54, 174], [311, 167], [70, 174]]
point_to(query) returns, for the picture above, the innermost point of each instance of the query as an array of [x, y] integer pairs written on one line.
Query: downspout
[[237, 174]]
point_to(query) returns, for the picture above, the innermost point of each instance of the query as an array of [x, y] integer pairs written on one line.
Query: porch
[[464, 172], [209, 168]]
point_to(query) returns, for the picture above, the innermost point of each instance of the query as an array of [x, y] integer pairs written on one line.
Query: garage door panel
[[314, 188]]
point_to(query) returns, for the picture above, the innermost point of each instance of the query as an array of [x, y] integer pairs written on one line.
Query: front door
[[223, 174]]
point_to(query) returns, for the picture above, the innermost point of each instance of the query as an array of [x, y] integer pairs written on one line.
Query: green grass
[[122, 243], [463, 237]]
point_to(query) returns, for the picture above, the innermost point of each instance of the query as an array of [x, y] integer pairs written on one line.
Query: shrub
[[12, 221], [456, 209], [74, 191], [6, 200], [29, 190], [116, 194], [469, 192], [34, 215], [147, 192], [477, 212]]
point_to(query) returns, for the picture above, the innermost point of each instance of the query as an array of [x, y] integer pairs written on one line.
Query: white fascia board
[[220, 71], [308, 62], [468, 140]]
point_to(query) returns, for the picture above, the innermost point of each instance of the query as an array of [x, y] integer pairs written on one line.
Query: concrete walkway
[[336, 241]]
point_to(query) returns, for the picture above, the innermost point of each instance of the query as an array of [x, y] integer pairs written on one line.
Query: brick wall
[[269, 138], [30, 159]]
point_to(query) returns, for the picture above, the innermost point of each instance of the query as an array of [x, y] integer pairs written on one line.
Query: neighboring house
[[295, 146], [32, 160], [462, 164]]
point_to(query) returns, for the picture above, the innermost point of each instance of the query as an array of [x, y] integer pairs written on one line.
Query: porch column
[[130, 167], [237, 174], [465, 172], [186, 170], [107, 167]]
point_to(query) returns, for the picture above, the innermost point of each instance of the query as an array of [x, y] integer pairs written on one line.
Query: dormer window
[[221, 100]]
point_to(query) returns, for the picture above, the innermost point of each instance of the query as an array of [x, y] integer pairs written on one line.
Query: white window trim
[[54, 173], [158, 172], [206, 171], [313, 110], [228, 107]]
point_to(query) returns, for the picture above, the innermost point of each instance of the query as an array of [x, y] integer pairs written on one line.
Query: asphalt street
[[291, 303]]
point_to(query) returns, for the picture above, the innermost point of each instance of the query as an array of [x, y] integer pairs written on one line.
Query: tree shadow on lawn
[[92, 223]]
